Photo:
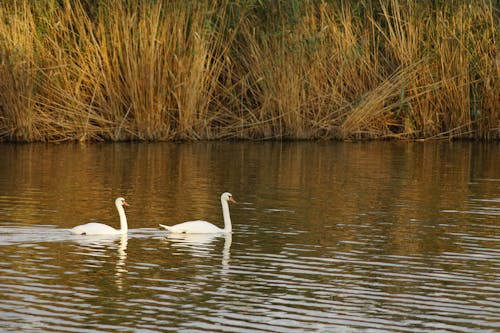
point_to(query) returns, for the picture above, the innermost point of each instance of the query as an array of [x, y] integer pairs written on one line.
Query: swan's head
[[226, 196], [121, 202]]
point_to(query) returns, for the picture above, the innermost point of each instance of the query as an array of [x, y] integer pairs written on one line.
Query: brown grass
[[192, 70]]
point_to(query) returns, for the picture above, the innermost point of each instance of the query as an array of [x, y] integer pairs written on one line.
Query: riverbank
[[238, 69]]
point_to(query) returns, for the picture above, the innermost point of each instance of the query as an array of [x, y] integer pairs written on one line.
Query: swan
[[204, 227], [103, 229]]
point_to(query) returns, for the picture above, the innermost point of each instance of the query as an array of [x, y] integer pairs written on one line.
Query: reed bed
[[194, 70]]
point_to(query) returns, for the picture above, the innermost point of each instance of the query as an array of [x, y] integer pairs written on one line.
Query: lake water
[[327, 237]]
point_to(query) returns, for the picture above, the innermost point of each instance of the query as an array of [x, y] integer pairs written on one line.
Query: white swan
[[204, 227], [103, 229]]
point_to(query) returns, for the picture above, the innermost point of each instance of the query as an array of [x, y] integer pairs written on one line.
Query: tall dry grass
[[112, 70], [143, 71], [397, 73]]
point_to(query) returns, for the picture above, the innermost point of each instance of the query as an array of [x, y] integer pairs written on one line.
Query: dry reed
[[108, 70]]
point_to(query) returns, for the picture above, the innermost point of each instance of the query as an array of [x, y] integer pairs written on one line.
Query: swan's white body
[[194, 227], [204, 227], [94, 228]]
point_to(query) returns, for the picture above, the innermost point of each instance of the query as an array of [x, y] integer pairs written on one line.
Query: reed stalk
[[88, 70]]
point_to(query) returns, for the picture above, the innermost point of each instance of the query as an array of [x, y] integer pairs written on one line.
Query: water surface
[[328, 237]]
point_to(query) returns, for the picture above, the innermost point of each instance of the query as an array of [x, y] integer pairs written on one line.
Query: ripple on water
[[65, 283]]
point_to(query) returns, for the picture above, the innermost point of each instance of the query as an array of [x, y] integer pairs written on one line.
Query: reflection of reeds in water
[[190, 70], [168, 183], [325, 183], [343, 187]]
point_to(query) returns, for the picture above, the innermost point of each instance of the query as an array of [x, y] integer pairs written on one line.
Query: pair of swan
[[191, 227]]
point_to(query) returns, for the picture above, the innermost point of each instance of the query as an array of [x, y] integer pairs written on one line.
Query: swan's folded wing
[[193, 227], [94, 229]]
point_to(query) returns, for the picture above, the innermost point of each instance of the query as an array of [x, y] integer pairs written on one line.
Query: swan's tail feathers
[[166, 227]]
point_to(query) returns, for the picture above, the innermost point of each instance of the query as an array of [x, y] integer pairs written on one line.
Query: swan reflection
[[192, 239], [96, 251], [121, 268], [226, 252], [201, 244], [98, 243]]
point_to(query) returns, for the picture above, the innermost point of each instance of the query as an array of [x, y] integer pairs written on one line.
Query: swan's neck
[[227, 218], [123, 219]]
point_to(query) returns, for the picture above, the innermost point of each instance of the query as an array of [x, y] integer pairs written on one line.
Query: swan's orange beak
[[125, 204], [232, 200]]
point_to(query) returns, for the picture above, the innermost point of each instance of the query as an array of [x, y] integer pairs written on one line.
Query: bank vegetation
[[110, 70]]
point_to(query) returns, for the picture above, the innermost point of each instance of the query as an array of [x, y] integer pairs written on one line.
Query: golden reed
[[192, 70]]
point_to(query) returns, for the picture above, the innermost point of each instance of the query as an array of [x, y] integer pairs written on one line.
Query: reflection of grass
[[308, 69]]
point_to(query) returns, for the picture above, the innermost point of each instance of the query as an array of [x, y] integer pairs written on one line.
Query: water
[[328, 237]]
